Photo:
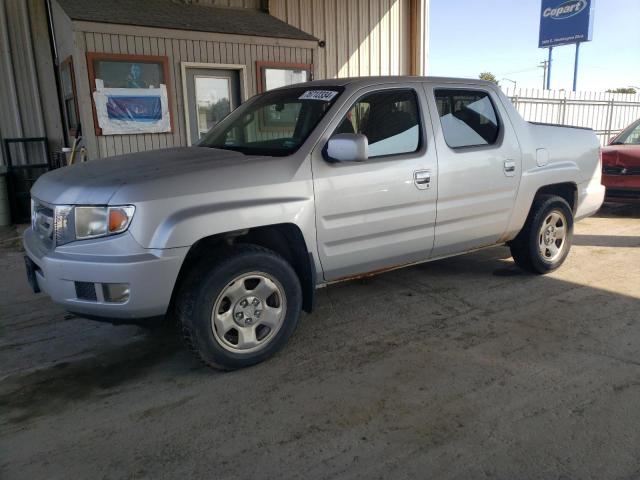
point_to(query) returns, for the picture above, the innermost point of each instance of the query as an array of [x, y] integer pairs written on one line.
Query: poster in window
[[130, 94], [122, 111]]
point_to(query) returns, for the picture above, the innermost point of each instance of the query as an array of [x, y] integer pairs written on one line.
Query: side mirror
[[348, 147]]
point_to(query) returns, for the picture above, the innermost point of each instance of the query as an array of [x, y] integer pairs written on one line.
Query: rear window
[[468, 117]]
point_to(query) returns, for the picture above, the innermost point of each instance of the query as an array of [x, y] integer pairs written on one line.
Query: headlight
[[81, 223]]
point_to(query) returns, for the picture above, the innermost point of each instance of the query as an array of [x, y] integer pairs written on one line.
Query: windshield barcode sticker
[[324, 95]]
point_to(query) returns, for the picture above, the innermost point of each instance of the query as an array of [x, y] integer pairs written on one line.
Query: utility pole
[[575, 67], [543, 65], [515, 84], [549, 69]]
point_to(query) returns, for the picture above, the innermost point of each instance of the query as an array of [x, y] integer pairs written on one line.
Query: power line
[[519, 71]]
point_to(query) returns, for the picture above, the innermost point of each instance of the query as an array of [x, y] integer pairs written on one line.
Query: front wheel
[[239, 307], [544, 242]]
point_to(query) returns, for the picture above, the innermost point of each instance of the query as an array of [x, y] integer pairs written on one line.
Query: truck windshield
[[275, 123], [629, 136]]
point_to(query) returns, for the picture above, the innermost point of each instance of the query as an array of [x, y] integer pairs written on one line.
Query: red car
[[621, 166]]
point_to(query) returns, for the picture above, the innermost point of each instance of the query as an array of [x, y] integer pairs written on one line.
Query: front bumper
[[622, 188], [150, 273]]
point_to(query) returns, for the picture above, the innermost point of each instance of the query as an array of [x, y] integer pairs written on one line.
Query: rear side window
[[468, 118], [389, 119]]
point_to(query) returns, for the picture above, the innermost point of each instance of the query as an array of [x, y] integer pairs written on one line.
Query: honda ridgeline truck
[[301, 187]]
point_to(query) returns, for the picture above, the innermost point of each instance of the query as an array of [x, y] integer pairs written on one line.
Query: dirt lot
[[462, 368]]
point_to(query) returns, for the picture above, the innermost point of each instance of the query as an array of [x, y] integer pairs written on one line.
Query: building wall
[[28, 96], [179, 46], [255, 4], [362, 37]]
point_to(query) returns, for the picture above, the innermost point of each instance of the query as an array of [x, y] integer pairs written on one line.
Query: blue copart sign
[[565, 21]]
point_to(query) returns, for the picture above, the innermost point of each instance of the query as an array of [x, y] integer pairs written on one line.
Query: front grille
[[617, 170], [43, 223], [86, 291]]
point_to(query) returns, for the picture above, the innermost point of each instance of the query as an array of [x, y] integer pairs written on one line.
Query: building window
[[145, 112], [468, 118], [70, 104], [278, 74], [389, 119]]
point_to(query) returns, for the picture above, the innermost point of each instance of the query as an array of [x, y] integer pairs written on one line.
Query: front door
[[211, 94], [379, 213]]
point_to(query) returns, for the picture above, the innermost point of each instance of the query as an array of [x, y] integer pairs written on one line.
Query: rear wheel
[[544, 242], [239, 307]]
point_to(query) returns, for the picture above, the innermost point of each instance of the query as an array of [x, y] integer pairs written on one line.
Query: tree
[[630, 90], [489, 77]]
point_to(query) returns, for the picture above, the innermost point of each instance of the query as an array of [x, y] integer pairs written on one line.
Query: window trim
[[421, 123], [68, 63], [497, 143], [261, 66], [161, 59]]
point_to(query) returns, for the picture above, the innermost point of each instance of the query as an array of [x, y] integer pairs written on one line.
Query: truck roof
[[374, 80]]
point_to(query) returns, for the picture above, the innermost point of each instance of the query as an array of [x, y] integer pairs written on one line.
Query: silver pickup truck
[[300, 187]]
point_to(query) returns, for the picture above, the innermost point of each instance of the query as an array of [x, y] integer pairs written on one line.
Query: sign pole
[[575, 67], [549, 69]]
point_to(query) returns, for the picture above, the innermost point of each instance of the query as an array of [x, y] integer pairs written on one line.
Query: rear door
[[479, 167], [381, 212]]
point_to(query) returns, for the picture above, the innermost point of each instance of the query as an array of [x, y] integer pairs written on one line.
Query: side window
[[468, 117], [389, 119]]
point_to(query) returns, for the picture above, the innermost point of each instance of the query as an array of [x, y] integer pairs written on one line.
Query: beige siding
[[362, 37], [28, 97], [254, 4], [179, 47]]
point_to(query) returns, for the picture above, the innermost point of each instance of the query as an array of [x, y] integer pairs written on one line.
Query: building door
[[211, 94]]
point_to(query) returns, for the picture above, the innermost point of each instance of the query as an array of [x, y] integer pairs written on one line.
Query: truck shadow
[[606, 241], [619, 210], [459, 301]]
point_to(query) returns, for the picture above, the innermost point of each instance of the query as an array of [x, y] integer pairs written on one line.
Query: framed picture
[[134, 90]]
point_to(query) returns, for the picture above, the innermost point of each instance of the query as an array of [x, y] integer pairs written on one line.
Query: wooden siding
[[179, 47], [362, 37]]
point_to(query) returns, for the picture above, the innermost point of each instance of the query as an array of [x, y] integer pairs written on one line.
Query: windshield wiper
[[233, 148]]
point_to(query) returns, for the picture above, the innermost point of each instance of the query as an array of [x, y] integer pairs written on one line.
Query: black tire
[[525, 247], [206, 283]]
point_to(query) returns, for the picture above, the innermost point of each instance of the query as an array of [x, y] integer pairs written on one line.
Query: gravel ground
[[462, 368]]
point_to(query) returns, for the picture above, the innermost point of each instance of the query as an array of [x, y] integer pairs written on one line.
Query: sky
[[501, 36]]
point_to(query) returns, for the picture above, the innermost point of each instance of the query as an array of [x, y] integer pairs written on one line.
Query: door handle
[[422, 179], [509, 168]]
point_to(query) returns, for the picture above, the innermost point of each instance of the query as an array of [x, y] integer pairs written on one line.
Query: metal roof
[[180, 15]]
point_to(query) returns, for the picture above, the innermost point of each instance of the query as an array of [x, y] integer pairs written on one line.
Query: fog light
[[115, 292]]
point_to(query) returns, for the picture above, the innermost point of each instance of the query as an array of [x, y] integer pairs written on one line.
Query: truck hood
[[146, 175]]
